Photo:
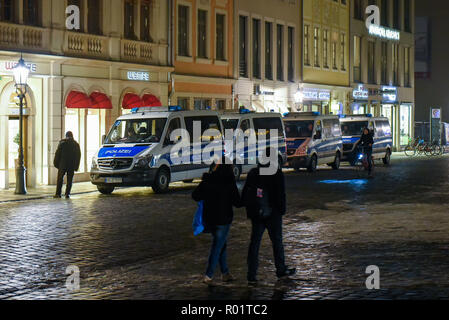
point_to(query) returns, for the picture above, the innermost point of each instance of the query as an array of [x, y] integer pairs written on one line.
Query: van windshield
[[299, 129], [230, 123], [136, 131], [353, 128]]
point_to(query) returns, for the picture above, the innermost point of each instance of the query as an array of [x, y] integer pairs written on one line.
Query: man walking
[[265, 201], [67, 161]]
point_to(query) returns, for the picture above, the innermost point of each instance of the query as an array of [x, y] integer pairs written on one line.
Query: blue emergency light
[[244, 111]]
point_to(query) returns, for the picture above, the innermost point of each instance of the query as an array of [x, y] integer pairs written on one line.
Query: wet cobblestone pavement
[[139, 245]]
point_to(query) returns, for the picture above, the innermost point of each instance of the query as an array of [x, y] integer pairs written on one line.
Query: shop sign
[[316, 95], [10, 65], [360, 93], [389, 94], [436, 113], [385, 33], [138, 76]]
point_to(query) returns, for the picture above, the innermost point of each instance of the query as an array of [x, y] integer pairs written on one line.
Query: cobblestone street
[[139, 245]]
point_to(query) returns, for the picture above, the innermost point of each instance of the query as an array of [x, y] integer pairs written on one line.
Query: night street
[[139, 245]]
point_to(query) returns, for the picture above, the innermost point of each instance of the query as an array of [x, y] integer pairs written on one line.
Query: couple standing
[[219, 192]]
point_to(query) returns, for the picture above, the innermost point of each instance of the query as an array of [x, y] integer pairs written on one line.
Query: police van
[[138, 149], [352, 127], [246, 120], [312, 140]]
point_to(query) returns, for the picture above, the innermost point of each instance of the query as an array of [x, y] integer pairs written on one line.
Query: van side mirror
[[103, 139]]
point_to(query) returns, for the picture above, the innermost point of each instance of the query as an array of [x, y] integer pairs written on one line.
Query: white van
[[137, 150], [352, 127], [247, 120], [312, 140]]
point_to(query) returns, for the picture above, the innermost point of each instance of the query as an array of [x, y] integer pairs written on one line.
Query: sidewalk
[[42, 192]]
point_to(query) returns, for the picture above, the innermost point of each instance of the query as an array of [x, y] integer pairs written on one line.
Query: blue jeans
[[218, 253], [274, 226]]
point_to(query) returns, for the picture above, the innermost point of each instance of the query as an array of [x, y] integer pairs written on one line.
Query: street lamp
[[299, 97], [21, 73]]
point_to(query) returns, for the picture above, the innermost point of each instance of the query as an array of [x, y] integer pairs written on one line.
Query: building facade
[[80, 80], [325, 72], [203, 54], [267, 51], [382, 65]]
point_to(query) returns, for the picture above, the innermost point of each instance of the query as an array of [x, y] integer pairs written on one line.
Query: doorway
[[13, 146]]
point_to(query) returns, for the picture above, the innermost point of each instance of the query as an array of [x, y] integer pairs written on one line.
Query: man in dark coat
[[273, 186], [67, 161]]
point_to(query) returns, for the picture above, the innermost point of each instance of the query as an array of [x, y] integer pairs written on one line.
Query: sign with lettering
[[389, 94], [316, 95], [138, 76], [360, 93], [10, 65]]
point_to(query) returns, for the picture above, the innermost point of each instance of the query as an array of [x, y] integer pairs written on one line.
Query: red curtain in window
[[78, 100], [100, 101], [131, 101]]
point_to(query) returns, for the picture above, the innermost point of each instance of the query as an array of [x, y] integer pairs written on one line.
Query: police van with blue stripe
[[352, 127], [262, 124], [138, 149], [312, 140]]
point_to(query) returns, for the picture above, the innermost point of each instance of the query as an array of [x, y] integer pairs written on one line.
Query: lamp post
[[299, 97], [21, 73]]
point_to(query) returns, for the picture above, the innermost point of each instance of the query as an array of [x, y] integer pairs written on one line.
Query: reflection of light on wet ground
[[353, 182]]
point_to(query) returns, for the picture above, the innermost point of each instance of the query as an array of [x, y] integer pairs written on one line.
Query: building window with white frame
[[183, 31]]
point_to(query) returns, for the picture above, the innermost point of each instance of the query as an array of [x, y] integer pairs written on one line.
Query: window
[[326, 48], [220, 42], [256, 48], [202, 34], [316, 49], [183, 103], [208, 122], [384, 13], [357, 58], [280, 52], [395, 55], [174, 125], [371, 59], [183, 31], [201, 104], [334, 55], [396, 24], [145, 21], [343, 51], [383, 61], [93, 16], [269, 50], [306, 45], [72, 120], [407, 67], [31, 12], [407, 26], [291, 56], [129, 19], [243, 54], [93, 134], [266, 125], [221, 104], [358, 10], [7, 10]]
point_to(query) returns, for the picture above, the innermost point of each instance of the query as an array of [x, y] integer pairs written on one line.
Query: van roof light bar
[[157, 109]]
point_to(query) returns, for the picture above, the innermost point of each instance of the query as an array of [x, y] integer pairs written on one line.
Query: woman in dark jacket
[[219, 192], [367, 142]]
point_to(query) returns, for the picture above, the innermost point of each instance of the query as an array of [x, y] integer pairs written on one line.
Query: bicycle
[[362, 163], [410, 149]]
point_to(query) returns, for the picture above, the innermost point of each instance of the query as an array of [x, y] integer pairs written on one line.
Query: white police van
[[138, 150], [313, 139], [246, 120], [352, 127]]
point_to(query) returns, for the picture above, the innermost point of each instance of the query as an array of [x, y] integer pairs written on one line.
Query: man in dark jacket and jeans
[[67, 161], [273, 186]]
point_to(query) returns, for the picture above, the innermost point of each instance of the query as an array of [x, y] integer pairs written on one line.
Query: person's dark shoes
[[56, 196], [287, 273], [67, 196]]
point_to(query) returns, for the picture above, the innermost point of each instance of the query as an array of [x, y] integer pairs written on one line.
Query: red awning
[[151, 101], [100, 101], [131, 101], [78, 100]]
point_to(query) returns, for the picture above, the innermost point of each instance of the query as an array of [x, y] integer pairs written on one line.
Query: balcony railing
[[139, 51], [16, 37], [80, 44]]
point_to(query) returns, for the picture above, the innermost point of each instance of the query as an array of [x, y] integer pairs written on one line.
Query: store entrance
[[13, 146]]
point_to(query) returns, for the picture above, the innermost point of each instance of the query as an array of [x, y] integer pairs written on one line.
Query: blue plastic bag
[[197, 225]]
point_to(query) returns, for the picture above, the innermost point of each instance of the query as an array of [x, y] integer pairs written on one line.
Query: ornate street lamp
[[21, 73]]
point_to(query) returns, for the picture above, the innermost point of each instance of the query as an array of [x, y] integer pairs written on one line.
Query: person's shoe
[[56, 196], [227, 277], [207, 280], [67, 197], [287, 273]]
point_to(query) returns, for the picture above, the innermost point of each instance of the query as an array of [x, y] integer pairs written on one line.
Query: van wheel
[[313, 164], [105, 189], [237, 170], [336, 164], [387, 158], [162, 181]]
